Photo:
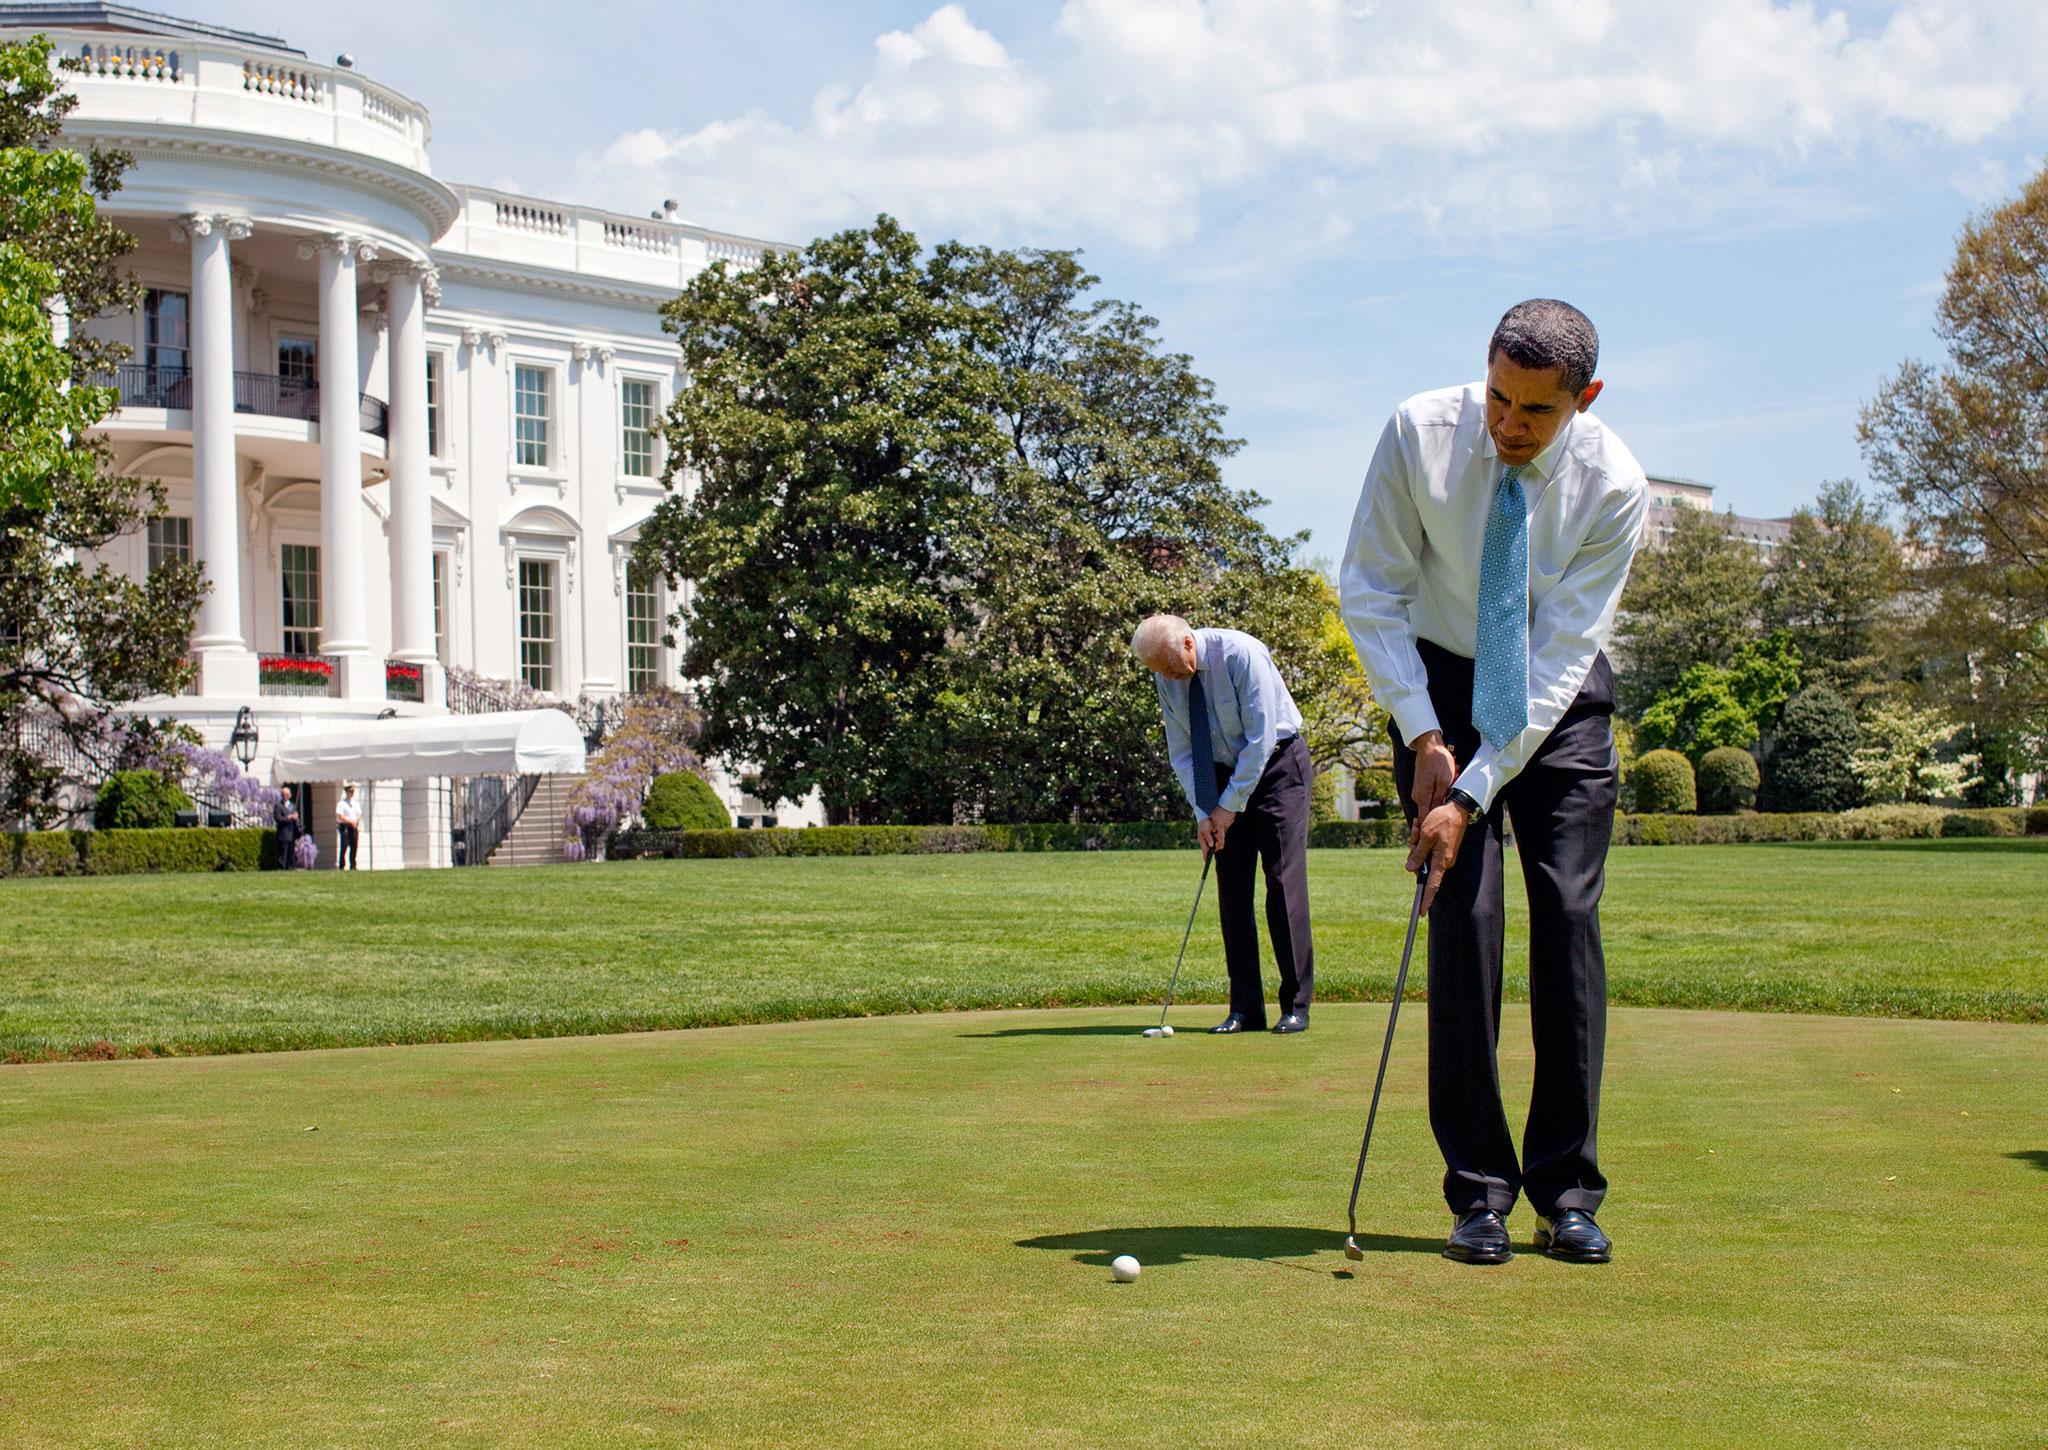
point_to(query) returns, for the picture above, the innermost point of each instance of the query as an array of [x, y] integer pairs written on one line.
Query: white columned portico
[[408, 287], [344, 631], [225, 664]]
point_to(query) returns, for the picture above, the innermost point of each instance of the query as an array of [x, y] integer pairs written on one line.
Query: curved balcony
[[142, 386]]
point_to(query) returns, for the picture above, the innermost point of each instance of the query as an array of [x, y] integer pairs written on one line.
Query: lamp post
[[242, 739]]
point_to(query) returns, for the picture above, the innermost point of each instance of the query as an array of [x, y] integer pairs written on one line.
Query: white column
[[407, 288], [226, 667], [344, 632]]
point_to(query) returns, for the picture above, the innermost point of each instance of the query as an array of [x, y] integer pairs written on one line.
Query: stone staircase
[[536, 837]]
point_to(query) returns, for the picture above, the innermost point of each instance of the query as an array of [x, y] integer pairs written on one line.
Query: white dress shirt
[[348, 812], [1251, 714], [1411, 569]]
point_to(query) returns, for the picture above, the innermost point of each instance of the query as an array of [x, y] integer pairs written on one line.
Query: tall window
[[298, 568], [298, 364], [166, 331], [440, 606], [537, 623], [170, 541], [434, 405], [643, 630], [636, 413], [531, 415]]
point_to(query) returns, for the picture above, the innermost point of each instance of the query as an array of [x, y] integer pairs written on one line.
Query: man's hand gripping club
[[1439, 825]]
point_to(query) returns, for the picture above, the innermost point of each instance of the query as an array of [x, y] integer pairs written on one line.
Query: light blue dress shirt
[[1251, 714]]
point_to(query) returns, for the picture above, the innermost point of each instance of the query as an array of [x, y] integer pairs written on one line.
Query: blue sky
[[1327, 204]]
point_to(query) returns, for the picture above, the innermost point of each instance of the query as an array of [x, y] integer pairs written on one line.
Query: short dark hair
[[1546, 333]]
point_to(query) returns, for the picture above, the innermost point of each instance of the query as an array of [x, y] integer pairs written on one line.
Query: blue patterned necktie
[[1500, 675], [1202, 748]]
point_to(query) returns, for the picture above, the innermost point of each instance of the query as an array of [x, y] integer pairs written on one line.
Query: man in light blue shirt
[[1233, 735]]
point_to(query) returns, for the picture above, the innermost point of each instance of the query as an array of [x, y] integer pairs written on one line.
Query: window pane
[[434, 405], [299, 575], [165, 334], [297, 363], [170, 541], [530, 416], [636, 409], [537, 623], [643, 630], [441, 607]]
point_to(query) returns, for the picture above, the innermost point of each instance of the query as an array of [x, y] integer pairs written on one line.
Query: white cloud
[[1146, 121]]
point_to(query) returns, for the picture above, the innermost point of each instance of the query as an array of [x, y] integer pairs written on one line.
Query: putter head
[[1152, 1032], [1351, 1249]]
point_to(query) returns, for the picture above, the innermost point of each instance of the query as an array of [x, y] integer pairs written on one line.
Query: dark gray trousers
[[1562, 806], [1272, 828]]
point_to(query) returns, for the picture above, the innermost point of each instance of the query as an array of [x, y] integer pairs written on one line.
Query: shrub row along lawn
[[897, 1233], [182, 964]]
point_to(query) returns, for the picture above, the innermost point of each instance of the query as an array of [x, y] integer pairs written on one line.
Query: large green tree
[[1963, 448], [933, 495], [1834, 588], [75, 636], [1697, 597]]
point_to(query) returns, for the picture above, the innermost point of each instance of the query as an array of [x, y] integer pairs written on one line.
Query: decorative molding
[[580, 351], [605, 356], [461, 550], [496, 338], [204, 223], [259, 301], [472, 338], [359, 249], [619, 570], [569, 284]]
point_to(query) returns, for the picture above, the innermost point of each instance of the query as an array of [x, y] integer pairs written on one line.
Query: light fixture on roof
[[345, 61]]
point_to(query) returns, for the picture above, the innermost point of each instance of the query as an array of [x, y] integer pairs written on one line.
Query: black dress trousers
[[1273, 828], [1562, 806]]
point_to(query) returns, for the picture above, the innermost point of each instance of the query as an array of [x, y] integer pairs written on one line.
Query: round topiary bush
[[1728, 780], [1662, 784], [1377, 795], [138, 800], [684, 802], [1809, 767]]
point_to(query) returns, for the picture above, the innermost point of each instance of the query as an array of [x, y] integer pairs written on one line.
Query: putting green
[[896, 1231]]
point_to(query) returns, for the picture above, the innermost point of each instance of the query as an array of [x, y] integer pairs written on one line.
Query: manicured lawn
[[894, 1233], [236, 963]]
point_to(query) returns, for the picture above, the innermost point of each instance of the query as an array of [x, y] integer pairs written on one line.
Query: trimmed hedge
[[124, 853], [1662, 784], [684, 801], [1987, 821], [1728, 778], [136, 800], [2037, 821]]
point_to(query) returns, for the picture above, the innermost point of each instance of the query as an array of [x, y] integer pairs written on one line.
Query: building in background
[[1668, 495], [405, 425]]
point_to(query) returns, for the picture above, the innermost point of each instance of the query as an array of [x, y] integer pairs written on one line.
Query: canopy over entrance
[[504, 742]]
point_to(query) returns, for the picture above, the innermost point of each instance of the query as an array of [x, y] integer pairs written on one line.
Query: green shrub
[[1985, 821], [123, 853], [1377, 794], [684, 801], [1322, 798], [41, 853], [138, 800], [1898, 822], [1662, 784], [1728, 780], [1384, 831], [2037, 820], [1810, 766]]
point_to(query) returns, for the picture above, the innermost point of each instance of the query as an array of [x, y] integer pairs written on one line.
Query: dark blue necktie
[[1206, 794]]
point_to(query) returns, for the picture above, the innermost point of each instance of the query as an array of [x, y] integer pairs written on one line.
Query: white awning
[[504, 742]]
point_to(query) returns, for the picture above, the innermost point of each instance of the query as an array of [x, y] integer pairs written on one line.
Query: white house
[[403, 424]]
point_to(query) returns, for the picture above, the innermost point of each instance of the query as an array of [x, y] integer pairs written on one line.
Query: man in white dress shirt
[[1233, 736], [1492, 539]]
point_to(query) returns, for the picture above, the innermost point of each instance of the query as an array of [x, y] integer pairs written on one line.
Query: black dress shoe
[[1479, 1238], [1292, 1022], [1574, 1237], [1235, 1023]]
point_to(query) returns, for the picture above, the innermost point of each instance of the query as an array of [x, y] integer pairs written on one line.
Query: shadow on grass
[[2036, 1156], [1096, 1031], [1948, 845], [1155, 1246]]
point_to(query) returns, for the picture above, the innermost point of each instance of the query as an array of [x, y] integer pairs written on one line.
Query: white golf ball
[[1125, 1268]]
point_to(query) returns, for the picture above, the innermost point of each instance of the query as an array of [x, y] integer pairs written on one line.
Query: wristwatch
[[1464, 802]]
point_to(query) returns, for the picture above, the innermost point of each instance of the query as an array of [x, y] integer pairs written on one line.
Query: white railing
[[523, 217], [129, 62], [718, 249], [636, 238], [384, 112], [292, 82]]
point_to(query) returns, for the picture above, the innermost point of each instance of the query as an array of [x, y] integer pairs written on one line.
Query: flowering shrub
[[301, 671], [306, 851], [218, 778], [401, 680], [656, 735]]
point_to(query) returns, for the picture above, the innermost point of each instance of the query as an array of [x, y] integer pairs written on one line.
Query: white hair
[[1158, 637]]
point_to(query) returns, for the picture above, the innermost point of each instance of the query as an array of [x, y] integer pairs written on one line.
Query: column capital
[[360, 249], [395, 269], [205, 223], [580, 351], [472, 338]]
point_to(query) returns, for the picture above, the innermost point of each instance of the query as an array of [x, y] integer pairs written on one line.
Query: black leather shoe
[[1292, 1022], [1574, 1237], [1479, 1238], [1235, 1023]]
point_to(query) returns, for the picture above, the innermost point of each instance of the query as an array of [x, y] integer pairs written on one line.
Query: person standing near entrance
[[348, 822], [1233, 735], [286, 816], [1486, 560]]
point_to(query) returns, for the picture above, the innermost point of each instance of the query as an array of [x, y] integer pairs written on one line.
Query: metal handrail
[[266, 394], [484, 813]]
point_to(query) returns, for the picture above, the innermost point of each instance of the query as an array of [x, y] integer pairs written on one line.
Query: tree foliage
[[1810, 768], [1698, 597], [1832, 587], [933, 494], [1714, 706], [75, 636], [1963, 448], [1899, 755]]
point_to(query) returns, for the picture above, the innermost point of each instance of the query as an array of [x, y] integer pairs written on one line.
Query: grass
[[896, 1233], [196, 964]]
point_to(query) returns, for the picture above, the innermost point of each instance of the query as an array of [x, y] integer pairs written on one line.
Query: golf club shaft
[[1387, 1047], [1174, 980]]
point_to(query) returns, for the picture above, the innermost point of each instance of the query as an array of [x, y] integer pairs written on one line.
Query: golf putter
[[1162, 1030], [1351, 1248]]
